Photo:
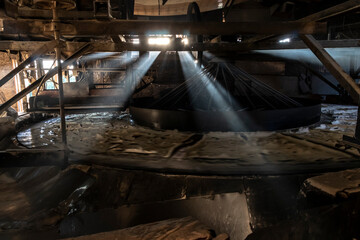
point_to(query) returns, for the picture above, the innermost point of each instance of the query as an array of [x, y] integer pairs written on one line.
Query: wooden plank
[[137, 27], [39, 52], [45, 77], [324, 14], [103, 46], [334, 68], [175, 228]]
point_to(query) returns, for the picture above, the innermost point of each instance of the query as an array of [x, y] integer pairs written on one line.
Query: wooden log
[[103, 46], [115, 27]]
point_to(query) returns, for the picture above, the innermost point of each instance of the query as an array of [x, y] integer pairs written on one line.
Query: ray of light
[[134, 73], [215, 91]]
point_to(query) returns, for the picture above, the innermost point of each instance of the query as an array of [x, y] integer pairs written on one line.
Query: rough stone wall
[[8, 90]]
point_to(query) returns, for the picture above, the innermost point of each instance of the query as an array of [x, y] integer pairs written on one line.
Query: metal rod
[[61, 87]]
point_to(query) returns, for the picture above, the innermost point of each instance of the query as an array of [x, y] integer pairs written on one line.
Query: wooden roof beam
[[136, 27], [213, 47]]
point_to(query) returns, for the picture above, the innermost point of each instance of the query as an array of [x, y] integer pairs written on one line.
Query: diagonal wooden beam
[[332, 11], [45, 77], [324, 14], [334, 68], [36, 54]]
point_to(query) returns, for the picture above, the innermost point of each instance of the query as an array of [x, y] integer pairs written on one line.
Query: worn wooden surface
[[179, 229]]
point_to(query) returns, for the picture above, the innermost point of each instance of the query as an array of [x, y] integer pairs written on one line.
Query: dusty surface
[[38, 196], [115, 135], [344, 182], [89, 197], [175, 229], [83, 200]]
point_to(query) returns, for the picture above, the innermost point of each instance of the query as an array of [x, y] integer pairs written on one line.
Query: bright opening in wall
[[285, 40], [159, 41], [48, 64], [185, 41], [135, 41]]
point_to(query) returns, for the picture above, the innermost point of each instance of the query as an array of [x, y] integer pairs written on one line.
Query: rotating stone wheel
[[223, 97], [49, 4]]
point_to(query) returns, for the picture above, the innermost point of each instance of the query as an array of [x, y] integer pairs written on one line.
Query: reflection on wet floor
[[84, 199], [115, 134]]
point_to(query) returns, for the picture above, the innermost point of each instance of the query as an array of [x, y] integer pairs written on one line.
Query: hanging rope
[[223, 86]]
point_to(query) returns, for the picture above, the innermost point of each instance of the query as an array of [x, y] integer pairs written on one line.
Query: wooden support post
[[39, 65], [22, 85], [334, 68], [47, 47], [45, 77], [32, 74]]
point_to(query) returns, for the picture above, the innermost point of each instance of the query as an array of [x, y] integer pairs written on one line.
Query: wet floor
[[49, 203], [115, 135]]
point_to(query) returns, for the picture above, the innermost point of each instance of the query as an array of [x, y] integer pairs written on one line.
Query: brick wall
[[8, 90]]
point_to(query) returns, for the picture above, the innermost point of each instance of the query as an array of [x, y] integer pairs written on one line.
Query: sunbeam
[[134, 73], [224, 105], [341, 55]]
